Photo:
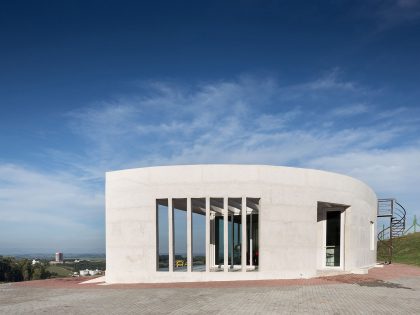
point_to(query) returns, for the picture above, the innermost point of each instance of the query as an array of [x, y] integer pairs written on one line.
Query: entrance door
[[333, 239]]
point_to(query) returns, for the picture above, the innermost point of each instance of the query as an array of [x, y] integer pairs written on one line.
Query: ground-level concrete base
[[94, 280], [237, 276]]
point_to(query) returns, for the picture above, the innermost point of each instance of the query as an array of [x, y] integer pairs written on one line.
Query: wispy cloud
[[350, 110], [394, 13], [327, 123], [246, 120], [39, 210], [331, 81], [391, 171]]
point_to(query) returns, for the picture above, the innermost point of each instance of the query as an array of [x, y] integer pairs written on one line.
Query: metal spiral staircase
[[395, 212]]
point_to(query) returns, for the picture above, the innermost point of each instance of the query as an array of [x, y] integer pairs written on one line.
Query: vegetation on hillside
[[406, 249], [60, 270], [89, 264], [13, 270]]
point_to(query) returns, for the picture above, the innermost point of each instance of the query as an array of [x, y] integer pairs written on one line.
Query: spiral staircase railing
[[390, 209]]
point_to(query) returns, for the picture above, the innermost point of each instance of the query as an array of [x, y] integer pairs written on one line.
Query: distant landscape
[[51, 256], [19, 267], [22, 268]]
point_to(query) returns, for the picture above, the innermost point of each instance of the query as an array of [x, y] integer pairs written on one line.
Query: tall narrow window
[[216, 234], [372, 235], [198, 234], [235, 233], [162, 247], [333, 238], [253, 205], [180, 234]]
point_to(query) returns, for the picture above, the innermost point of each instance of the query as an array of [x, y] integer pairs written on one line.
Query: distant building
[[59, 257], [34, 262], [88, 272]]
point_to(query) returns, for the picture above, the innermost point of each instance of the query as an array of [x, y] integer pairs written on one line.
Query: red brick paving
[[388, 272]]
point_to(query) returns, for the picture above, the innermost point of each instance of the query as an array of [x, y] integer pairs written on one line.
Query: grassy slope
[[60, 270], [407, 249]]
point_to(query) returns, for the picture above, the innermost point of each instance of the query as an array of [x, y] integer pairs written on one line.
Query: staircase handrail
[[396, 228]]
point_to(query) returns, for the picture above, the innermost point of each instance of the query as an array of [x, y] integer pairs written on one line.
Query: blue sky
[[92, 86]]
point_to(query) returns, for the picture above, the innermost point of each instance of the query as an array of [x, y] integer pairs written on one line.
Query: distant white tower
[[59, 257]]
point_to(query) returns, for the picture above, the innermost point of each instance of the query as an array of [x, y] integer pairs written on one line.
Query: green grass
[[60, 270], [406, 249]]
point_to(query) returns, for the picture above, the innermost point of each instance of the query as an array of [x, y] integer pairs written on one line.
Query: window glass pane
[[333, 238], [252, 251], [234, 233], [162, 235], [180, 234], [216, 250], [198, 222]]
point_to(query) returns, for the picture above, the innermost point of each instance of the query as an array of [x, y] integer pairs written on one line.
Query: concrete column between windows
[[171, 234], [189, 236], [225, 235], [207, 234], [243, 235]]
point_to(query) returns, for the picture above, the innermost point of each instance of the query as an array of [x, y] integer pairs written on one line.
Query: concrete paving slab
[[394, 289]]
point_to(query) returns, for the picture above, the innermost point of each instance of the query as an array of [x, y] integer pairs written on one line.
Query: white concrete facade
[[293, 205]]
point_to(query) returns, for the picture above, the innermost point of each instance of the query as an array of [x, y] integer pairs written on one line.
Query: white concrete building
[[235, 222]]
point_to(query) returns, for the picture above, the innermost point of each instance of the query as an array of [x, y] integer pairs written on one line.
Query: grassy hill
[[406, 249], [60, 270]]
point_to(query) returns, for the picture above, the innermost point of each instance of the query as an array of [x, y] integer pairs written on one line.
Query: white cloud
[[350, 110], [331, 81], [246, 120], [391, 171], [393, 13], [43, 210]]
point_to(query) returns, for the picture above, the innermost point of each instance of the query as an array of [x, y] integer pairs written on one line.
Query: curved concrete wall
[[290, 230]]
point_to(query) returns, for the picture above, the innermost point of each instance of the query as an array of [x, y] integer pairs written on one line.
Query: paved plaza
[[394, 289]]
